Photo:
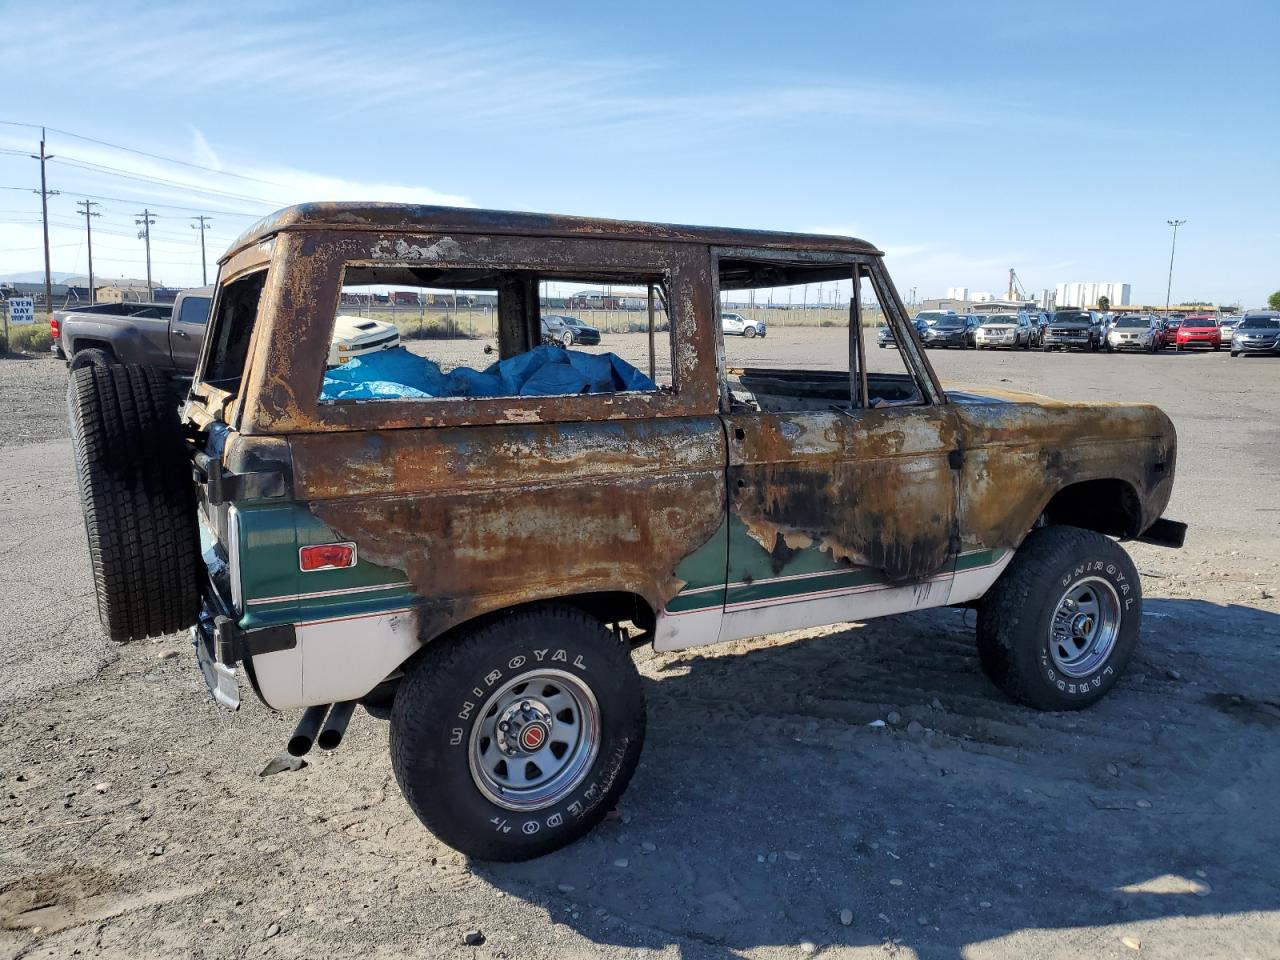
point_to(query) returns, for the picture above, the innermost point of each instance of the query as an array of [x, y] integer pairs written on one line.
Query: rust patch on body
[[484, 518]]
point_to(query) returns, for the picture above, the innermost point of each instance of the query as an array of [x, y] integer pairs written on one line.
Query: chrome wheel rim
[[535, 740], [1085, 627]]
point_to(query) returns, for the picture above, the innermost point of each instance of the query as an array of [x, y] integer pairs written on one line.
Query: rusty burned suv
[[473, 551]]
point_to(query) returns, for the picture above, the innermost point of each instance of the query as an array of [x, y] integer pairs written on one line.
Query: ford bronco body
[[477, 563]]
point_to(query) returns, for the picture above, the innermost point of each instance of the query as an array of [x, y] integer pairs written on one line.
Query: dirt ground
[[767, 820]]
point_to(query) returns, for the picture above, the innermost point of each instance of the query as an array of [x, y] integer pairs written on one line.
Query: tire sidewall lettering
[[1090, 684], [588, 795]]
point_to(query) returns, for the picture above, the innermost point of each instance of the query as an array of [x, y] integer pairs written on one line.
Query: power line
[[153, 156], [167, 206], [124, 174]]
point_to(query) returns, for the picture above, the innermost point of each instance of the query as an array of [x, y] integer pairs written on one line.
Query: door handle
[[180, 333]]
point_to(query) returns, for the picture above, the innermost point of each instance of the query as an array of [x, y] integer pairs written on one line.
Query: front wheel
[[513, 738], [1235, 353], [749, 333], [1059, 626], [566, 339]]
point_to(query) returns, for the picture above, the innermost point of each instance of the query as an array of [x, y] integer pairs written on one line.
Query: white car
[[736, 323], [354, 336], [1133, 332]]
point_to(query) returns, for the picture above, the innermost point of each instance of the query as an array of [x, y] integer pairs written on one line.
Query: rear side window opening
[[232, 331], [414, 332]]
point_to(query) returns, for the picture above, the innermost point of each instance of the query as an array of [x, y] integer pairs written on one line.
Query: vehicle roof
[[410, 218], [1261, 313]]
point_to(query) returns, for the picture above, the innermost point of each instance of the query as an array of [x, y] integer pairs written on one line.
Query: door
[[839, 510], [186, 332]]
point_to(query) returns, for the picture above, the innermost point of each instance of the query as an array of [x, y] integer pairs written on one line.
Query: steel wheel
[[1084, 628], [535, 740]]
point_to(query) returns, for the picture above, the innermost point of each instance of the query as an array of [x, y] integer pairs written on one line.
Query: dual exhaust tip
[[322, 725]]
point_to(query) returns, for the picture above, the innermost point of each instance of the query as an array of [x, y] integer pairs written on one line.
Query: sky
[[962, 139]]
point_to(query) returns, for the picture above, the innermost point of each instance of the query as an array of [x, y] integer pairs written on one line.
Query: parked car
[[1226, 327], [1075, 330], [568, 331], [477, 567], [1010, 330], [165, 336], [1198, 330], [1134, 331], [169, 339], [357, 336], [1257, 332], [953, 330], [738, 325], [930, 317], [885, 337]]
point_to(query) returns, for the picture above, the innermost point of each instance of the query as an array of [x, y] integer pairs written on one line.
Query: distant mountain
[[36, 276]]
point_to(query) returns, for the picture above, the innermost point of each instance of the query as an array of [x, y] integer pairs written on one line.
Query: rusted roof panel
[[418, 218]]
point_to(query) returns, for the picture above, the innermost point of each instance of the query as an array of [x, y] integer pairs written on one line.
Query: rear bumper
[[221, 646]]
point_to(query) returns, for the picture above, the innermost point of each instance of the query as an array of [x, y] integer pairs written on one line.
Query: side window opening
[[790, 345], [427, 333], [233, 330], [195, 310]]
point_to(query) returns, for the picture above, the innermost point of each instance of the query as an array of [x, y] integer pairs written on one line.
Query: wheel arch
[[1108, 505], [91, 343]]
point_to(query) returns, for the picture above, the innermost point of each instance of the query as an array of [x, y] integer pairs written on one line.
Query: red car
[[1198, 331]]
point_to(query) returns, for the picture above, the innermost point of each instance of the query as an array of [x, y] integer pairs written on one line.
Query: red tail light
[[327, 556], [53, 327]]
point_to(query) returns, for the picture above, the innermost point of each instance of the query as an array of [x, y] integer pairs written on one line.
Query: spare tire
[[138, 499]]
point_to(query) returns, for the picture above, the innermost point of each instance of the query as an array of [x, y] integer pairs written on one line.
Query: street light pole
[[1172, 249]]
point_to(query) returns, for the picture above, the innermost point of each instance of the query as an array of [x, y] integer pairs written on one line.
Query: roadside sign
[[22, 310]]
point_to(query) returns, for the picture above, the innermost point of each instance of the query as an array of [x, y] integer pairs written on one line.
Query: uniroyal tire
[[1018, 646], [466, 683], [138, 500]]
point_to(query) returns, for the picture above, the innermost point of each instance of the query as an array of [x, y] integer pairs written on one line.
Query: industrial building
[[1088, 294]]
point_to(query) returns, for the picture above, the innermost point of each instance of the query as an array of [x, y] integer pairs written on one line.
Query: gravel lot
[[767, 819]]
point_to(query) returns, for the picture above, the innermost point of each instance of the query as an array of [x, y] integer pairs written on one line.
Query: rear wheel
[[1059, 626], [92, 357], [515, 737], [138, 500]]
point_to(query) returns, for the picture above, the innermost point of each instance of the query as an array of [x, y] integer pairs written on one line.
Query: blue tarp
[[544, 370]]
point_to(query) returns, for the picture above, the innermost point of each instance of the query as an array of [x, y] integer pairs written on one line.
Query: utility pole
[[202, 222], [45, 194], [89, 213], [1173, 249], [145, 234]]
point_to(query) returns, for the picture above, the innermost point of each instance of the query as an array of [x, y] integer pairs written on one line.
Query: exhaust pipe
[[335, 725], [305, 732]]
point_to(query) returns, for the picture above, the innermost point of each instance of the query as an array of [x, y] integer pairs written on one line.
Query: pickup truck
[[476, 565], [169, 338], [166, 337]]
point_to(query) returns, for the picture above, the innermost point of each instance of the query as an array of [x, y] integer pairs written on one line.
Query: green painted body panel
[[755, 574], [275, 589], [703, 571]]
